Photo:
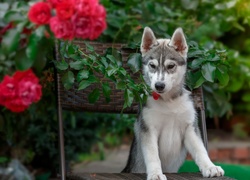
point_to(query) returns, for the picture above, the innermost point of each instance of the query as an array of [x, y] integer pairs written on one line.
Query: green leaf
[[92, 57], [87, 82], [3, 159], [92, 78], [40, 31], [68, 79], [94, 96], [199, 82], [104, 62], [236, 83], [21, 25], [12, 16], [77, 65], [83, 74], [61, 65], [32, 47], [128, 97], [212, 56], [190, 4], [193, 44], [208, 71], [246, 97], [121, 85], [195, 53], [193, 79], [89, 47], [41, 57], [111, 70], [70, 49], [84, 84], [22, 61], [10, 41], [196, 63], [222, 77], [111, 58], [122, 71], [134, 62], [106, 91], [114, 56], [75, 57]]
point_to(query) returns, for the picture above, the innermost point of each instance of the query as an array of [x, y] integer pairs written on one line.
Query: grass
[[236, 171]]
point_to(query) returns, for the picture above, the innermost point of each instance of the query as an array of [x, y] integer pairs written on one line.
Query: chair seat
[[137, 176]]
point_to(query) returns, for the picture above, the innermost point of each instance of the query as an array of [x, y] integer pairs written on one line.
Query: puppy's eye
[[171, 66], [152, 65]]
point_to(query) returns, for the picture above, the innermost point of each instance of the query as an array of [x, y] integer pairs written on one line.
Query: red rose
[[29, 92], [98, 22], [39, 13], [29, 89], [100, 11], [19, 91], [86, 7], [8, 88], [62, 29], [65, 10], [98, 26], [54, 3], [82, 26], [16, 105], [27, 75]]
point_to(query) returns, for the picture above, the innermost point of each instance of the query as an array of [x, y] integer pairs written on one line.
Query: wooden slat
[[137, 176]]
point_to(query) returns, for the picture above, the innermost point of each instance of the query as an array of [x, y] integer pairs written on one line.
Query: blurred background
[[101, 141]]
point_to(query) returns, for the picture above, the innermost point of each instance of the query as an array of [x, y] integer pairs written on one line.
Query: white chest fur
[[168, 121]]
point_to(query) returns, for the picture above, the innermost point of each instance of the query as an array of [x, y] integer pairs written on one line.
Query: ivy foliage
[[85, 69]]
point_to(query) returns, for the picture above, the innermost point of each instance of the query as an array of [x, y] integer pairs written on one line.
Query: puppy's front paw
[[213, 171], [156, 177]]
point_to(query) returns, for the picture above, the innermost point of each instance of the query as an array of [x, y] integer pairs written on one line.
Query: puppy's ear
[[178, 42], [148, 40]]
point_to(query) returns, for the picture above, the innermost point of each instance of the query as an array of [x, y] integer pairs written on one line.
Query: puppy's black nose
[[159, 86]]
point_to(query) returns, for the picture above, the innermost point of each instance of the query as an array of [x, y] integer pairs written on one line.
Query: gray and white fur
[[167, 128]]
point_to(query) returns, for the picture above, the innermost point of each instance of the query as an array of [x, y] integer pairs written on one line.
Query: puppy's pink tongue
[[155, 95]]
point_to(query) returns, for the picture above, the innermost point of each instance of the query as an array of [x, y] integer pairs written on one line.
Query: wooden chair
[[77, 101]]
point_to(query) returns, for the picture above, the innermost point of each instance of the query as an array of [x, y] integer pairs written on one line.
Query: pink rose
[[39, 13], [29, 89], [8, 88], [19, 91], [16, 105], [54, 3], [98, 26], [29, 92], [62, 29], [82, 26], [90, 26], [86, 7], [100, 11], [27, 75], [65, 10], [98, 22]]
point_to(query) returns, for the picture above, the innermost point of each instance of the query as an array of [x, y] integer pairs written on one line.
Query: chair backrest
[[77, 100]]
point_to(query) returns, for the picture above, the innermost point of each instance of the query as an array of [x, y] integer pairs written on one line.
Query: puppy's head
[[164, 60]]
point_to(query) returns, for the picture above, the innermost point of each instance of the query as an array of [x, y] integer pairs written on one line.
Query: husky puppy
[[167, 128]]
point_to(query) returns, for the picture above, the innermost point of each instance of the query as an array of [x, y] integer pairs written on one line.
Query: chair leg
[[204, 128], [61, 144], [61, 133]]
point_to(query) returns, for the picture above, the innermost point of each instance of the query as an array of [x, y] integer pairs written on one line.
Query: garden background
[[217, 30]]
